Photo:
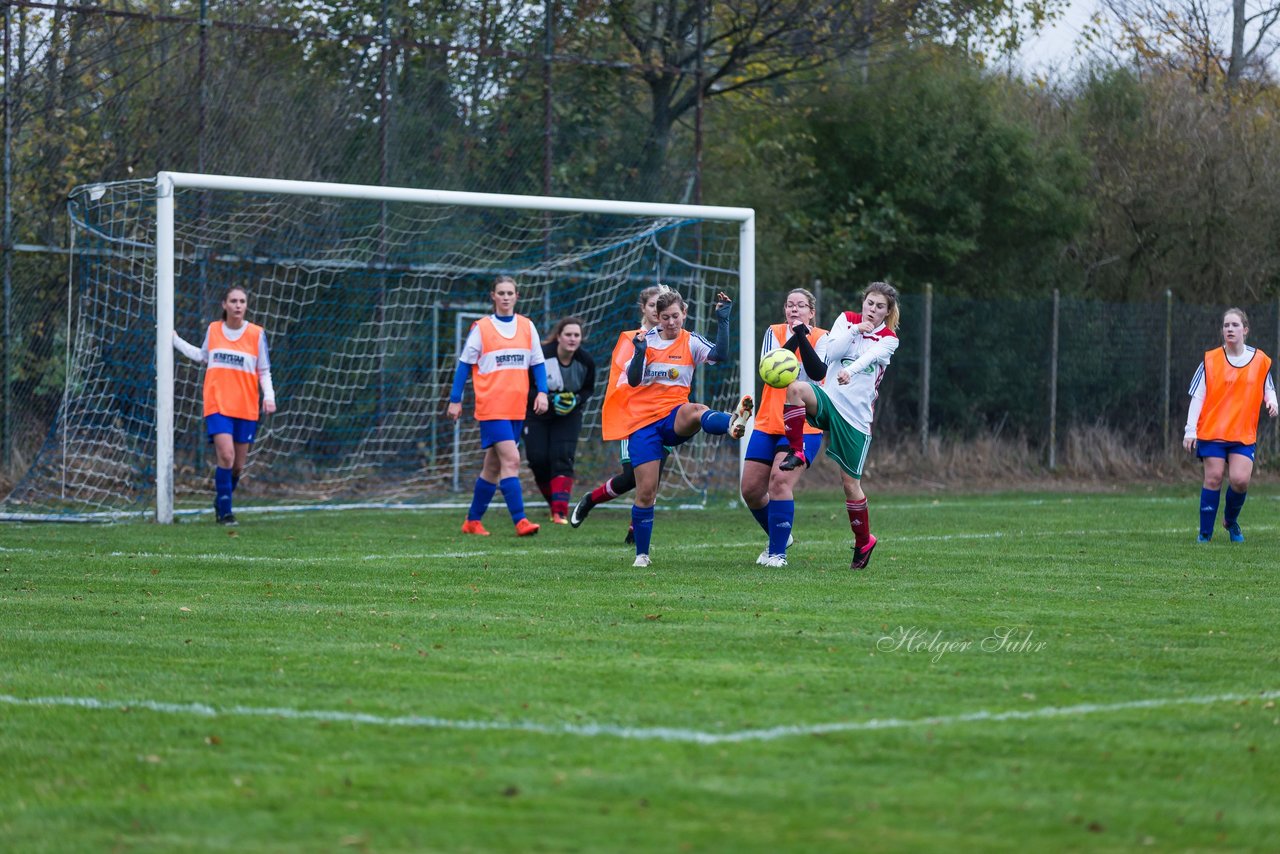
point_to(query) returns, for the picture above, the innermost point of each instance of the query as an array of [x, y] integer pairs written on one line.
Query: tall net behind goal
[[364, 304]]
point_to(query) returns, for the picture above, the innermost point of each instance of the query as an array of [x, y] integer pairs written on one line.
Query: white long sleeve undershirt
[[1197, 392], [200, 355]]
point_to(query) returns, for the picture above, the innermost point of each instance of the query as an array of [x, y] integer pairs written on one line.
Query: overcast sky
[[1055, 47]]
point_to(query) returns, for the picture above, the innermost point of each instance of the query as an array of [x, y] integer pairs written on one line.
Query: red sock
[[544, 486], [860, 522], [561, 489], [604, 492], [793, 424]]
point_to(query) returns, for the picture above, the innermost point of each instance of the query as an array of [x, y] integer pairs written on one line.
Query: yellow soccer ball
[[779, 368]]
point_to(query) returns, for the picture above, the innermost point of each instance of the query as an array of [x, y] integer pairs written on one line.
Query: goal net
[[365, 294]]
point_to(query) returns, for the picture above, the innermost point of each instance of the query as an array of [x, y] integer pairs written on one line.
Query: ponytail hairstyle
[[648, 294], [227, 295], [502, 279], [890, 293]]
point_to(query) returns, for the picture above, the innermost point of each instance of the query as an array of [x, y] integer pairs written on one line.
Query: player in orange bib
[[658, 411], [613, 413], [768, 490], [500, 353], [238, 367], [1230, 386]]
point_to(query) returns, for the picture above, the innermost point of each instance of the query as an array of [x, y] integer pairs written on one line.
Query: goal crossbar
[[168, 182]]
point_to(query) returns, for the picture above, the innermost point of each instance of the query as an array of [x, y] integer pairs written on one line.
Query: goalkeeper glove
[[564, 402]]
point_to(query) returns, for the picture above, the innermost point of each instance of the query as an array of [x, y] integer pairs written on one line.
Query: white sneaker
[[641, 560], [764, 556], [775, 560], [741, 415]]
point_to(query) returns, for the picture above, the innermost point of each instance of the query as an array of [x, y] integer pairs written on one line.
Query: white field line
[[522, 552], [229, 557], [281, 509], [513, 551], [669, 734]]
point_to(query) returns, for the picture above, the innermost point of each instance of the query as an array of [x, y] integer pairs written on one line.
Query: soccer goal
[[362, 291]]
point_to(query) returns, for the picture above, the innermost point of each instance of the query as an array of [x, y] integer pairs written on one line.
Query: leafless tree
[[1201, 38], [698, 49]]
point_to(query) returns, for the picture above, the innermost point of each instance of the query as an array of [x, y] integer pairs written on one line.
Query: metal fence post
[[1053, 387], [7, 426], [1168, 370], [924, 368]]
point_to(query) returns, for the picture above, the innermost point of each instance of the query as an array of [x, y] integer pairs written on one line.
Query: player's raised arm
[[720, 352]]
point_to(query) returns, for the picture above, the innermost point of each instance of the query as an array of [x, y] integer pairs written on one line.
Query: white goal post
[[166, 183]]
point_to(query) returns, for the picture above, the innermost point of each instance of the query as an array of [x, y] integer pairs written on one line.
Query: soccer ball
[[779, 368]]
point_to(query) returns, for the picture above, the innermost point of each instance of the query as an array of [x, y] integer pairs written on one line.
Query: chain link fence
[[1033, 370], [500, 98]]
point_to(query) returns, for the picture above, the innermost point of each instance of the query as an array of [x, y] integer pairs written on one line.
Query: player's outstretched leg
[[741, 416], [692, 418], [801, 402], [619, 484]]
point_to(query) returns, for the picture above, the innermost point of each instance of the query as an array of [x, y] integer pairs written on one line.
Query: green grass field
[[374, 681]]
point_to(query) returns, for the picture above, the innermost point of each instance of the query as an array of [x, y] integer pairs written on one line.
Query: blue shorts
[[763, 447], [646, 444], [1220, 450], [625, 455], [502, 430], [242, 430]]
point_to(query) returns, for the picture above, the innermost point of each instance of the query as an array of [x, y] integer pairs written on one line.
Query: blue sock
[[515, 498], [762, 516], [781, 515], [1208, 511], [642, 521], [480, 499], [1235, 500], [715, 422], [222, 487]]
